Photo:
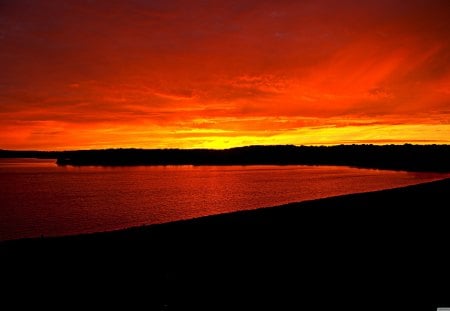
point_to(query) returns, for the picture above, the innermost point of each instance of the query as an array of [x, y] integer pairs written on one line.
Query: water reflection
[[40, 198]]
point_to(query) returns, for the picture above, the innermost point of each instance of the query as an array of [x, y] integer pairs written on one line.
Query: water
[[39, 198]]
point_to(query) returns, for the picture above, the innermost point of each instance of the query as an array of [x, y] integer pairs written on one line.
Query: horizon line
[[230, 148]]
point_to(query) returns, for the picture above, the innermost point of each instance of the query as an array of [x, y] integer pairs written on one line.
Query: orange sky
[[160, 73]]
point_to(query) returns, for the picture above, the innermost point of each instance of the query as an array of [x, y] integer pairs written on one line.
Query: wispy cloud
[[223, 73]]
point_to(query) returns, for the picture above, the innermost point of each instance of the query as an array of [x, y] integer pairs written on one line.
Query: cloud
[[247, 68]]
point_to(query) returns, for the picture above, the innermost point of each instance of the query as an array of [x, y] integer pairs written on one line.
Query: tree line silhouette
[[399, 157]]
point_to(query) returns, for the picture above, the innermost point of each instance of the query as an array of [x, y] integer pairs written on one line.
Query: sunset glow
[[186, 74]]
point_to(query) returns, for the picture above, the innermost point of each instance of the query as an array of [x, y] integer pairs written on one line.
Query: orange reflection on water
[[39, 198]]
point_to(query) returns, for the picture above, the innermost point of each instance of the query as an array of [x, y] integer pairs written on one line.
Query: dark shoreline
[[363, 251]]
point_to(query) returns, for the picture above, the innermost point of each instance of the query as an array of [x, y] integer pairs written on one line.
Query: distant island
[[432, 158]]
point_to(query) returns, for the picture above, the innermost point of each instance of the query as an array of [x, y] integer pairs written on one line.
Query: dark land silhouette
[[433, 158], [371, 251], [29, 154]]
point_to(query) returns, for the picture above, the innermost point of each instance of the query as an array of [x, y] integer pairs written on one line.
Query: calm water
[[39, 198]]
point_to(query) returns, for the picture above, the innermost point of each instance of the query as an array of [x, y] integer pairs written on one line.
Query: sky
[[88, 74]]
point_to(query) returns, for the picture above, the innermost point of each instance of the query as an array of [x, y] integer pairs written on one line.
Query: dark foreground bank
[[378, 250]]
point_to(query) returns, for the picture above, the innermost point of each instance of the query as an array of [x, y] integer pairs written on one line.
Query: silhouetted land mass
[[399, 157], [371, 251], [29, 154]]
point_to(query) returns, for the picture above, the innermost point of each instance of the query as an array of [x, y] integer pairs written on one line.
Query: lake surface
[[37, 197]]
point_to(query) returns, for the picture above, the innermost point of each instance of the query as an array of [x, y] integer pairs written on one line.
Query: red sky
[[94, 74]]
